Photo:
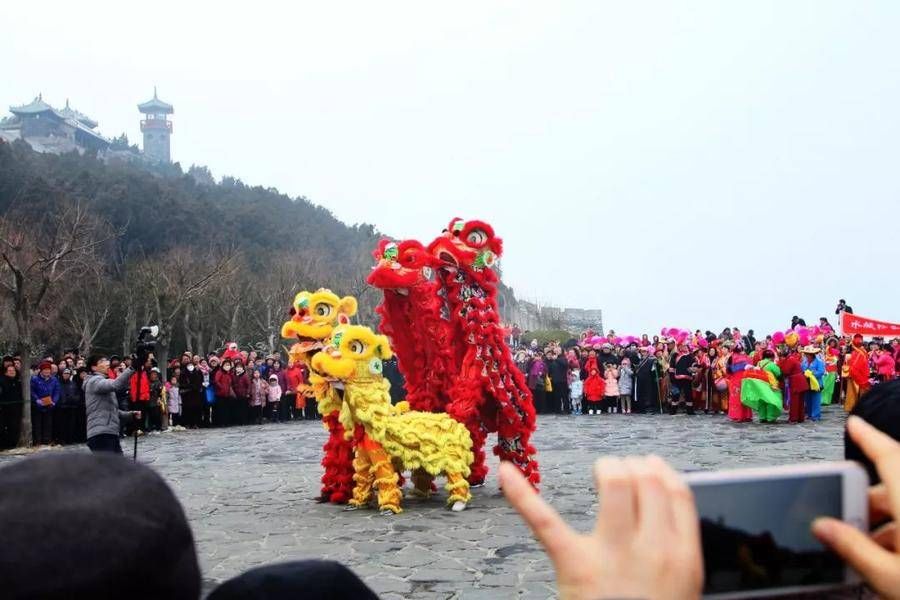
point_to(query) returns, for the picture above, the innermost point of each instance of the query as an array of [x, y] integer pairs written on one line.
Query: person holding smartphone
[[646, 543]]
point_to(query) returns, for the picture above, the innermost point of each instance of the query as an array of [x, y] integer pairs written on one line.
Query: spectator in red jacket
[[241, 387], [594, 388], [223, 389], [293, 378], [139, 395]]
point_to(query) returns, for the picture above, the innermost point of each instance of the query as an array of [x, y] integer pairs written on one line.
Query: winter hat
[[116, 514], [45, 364]]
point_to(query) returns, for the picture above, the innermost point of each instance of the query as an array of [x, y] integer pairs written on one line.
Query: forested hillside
[[209, 261]]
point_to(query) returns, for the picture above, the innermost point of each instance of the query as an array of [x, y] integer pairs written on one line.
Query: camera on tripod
[[144, 346]]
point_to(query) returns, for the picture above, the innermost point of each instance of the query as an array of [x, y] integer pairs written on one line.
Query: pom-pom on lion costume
[[314, 315], [429, 444]]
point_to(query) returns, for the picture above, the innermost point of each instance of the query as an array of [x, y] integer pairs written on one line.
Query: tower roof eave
[[156, 106]]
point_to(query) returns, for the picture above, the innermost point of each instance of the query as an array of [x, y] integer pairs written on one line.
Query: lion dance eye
[[323, 310], [375, 366], [477, 238], [357, 347]]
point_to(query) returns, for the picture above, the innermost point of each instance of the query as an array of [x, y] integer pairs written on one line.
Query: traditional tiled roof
[[156, 106], [71, 113], [36, 106]]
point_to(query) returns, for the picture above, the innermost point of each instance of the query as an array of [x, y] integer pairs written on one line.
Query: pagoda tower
[[157, 129]]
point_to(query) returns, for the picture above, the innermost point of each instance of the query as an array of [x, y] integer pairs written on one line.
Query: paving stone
[[438, 574], [382, 585], [505, 580]]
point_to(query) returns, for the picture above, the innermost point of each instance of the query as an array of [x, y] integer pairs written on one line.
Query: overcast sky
[[691, 164]]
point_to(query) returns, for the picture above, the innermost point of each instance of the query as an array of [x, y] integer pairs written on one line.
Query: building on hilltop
[[157, 128], [47, 129], [56, 131]]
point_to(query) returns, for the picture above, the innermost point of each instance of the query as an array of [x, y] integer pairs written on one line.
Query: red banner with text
[[853, 324]]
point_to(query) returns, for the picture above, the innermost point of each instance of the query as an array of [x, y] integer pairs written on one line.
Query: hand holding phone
[[646, 543], [877, 556], [756, 527]]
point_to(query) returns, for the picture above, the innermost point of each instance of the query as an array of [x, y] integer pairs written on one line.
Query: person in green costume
[[764, 396], [831, 362]]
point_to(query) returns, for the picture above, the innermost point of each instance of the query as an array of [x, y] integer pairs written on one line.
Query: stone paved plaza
[[248, 493]]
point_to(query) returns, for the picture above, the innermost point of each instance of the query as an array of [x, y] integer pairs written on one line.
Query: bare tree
[[83, 317], [271, 297], [174, 279], [34, 262]]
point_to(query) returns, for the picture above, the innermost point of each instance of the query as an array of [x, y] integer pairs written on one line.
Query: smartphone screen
[[756, 534]]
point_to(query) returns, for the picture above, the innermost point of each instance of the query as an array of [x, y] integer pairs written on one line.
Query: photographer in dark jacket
[[190, 385], [10, 407], [558, 370], [843, 307]]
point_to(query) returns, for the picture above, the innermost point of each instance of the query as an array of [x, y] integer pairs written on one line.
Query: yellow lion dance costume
[[314, 315], [429, 444]]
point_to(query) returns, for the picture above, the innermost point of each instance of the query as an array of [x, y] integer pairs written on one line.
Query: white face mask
[[239, 370], [190, 367]]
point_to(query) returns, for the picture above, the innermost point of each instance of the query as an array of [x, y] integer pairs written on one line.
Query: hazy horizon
[[698, 166]]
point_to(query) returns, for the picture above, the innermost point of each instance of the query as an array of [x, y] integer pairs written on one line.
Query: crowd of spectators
[[193, 391], [660, 373]]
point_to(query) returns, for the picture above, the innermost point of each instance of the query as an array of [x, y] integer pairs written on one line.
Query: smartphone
[[755, 527]]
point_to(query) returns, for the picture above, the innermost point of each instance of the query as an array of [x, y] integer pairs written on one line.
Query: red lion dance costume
[[440, 310], [411, 318]]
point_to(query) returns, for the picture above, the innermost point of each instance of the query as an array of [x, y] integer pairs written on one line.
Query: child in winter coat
[[173, 401], [576, 389], [593, 391], [259, 394], [274, 398], [610, 388], [626, 385]]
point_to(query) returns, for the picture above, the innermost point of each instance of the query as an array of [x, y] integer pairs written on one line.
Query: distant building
[[156, 127], [47, 129], [530, 316], [56, 131], [580, 319]]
